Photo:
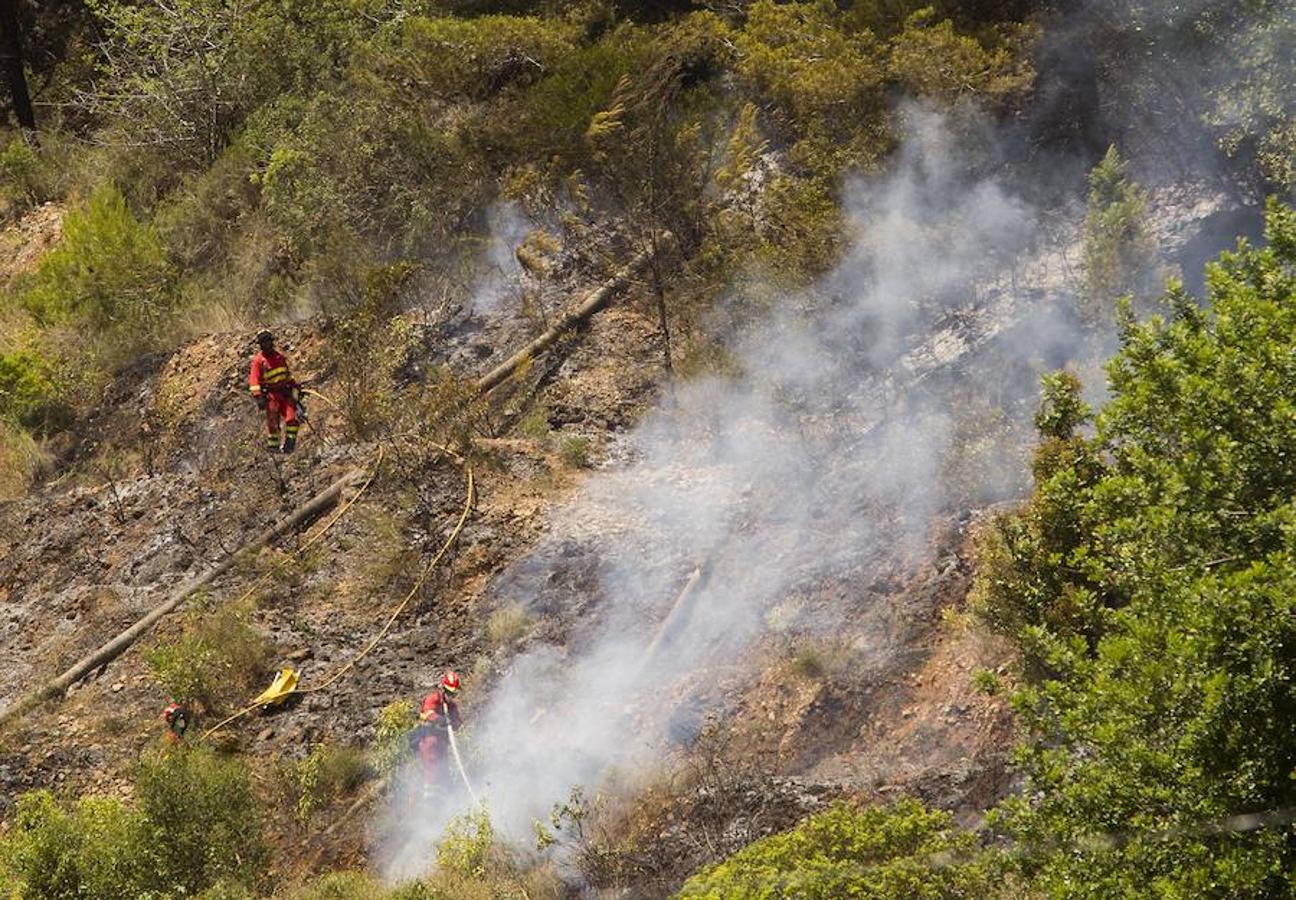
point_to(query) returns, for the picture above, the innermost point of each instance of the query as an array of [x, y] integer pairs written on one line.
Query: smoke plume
[[834, 444], [770, 480]]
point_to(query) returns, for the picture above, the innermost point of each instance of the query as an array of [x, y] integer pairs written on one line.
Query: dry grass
[[816, 660], [508, 625], [23, 460]]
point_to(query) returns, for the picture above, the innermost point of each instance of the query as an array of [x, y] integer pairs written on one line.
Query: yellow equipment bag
[[284, 684]]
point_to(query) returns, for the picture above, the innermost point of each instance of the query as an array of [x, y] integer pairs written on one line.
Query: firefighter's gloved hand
[[261, 401]]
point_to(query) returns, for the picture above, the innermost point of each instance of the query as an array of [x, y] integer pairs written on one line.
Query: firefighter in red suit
[[430, 741], [275, 391], [176, 718]]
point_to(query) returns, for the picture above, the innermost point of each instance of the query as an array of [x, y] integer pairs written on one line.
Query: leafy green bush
[[476, 58], [929, 58], [574, 451], [109, 272], [390, 746], [1119, 249], [218, 659], [195, 822], [95, 848], [341, 886], [202, 810], [849, 851], [466, 844], [328, 772], [1151, 579], [29, 389], [825, 82], [29, 175]]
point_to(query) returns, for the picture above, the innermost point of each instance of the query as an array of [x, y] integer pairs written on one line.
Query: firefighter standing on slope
[[275, 391], [430, 741]]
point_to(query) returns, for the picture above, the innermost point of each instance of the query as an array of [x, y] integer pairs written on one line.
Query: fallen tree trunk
[[592, 304], [105, 654], [679, 614]]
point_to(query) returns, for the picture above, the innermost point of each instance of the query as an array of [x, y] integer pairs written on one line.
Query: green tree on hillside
[[110, 272], [899, 853], [1151, 581], [196, 821], [1120, 254]]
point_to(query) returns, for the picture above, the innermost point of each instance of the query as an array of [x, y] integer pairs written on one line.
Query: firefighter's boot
[[290, 439]]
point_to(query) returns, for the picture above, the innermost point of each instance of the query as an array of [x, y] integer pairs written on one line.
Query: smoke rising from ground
[[775, 479], [500, 268], [833, 449]]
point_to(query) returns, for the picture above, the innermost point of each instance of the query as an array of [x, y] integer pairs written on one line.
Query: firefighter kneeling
[[430, 741], [176, 718]]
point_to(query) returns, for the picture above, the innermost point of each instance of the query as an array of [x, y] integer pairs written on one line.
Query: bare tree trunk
[[11, 53], [663, 321]]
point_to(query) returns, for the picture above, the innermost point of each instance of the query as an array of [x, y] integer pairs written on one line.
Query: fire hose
[[454, 748]]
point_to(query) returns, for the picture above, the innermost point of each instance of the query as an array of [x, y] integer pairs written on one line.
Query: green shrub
[[1120, 256], [218, 660], [465, 846], [94, 848], [929, 58], [341, 886], [328, 772], [390, 747], [195, 823], [29, 390], [204, 816], [1149, 583], [849, 851], [535, 424], [803, 229], [557, 110], [27, 176], [201, 219], [109, 272], [985, 681], [574, 451], [824, 80], [226, 889], [474, 58]]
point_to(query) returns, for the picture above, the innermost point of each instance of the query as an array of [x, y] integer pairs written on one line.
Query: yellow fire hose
[[272, 696], [332, 520]]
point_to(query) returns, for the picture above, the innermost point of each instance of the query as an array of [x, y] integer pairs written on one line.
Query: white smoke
[[830, 446], [772, 479], [500, 272]]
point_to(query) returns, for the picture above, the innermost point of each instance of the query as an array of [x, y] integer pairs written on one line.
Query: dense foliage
[[1149, 582], [195, 821], [225, 165], [903, 852]]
